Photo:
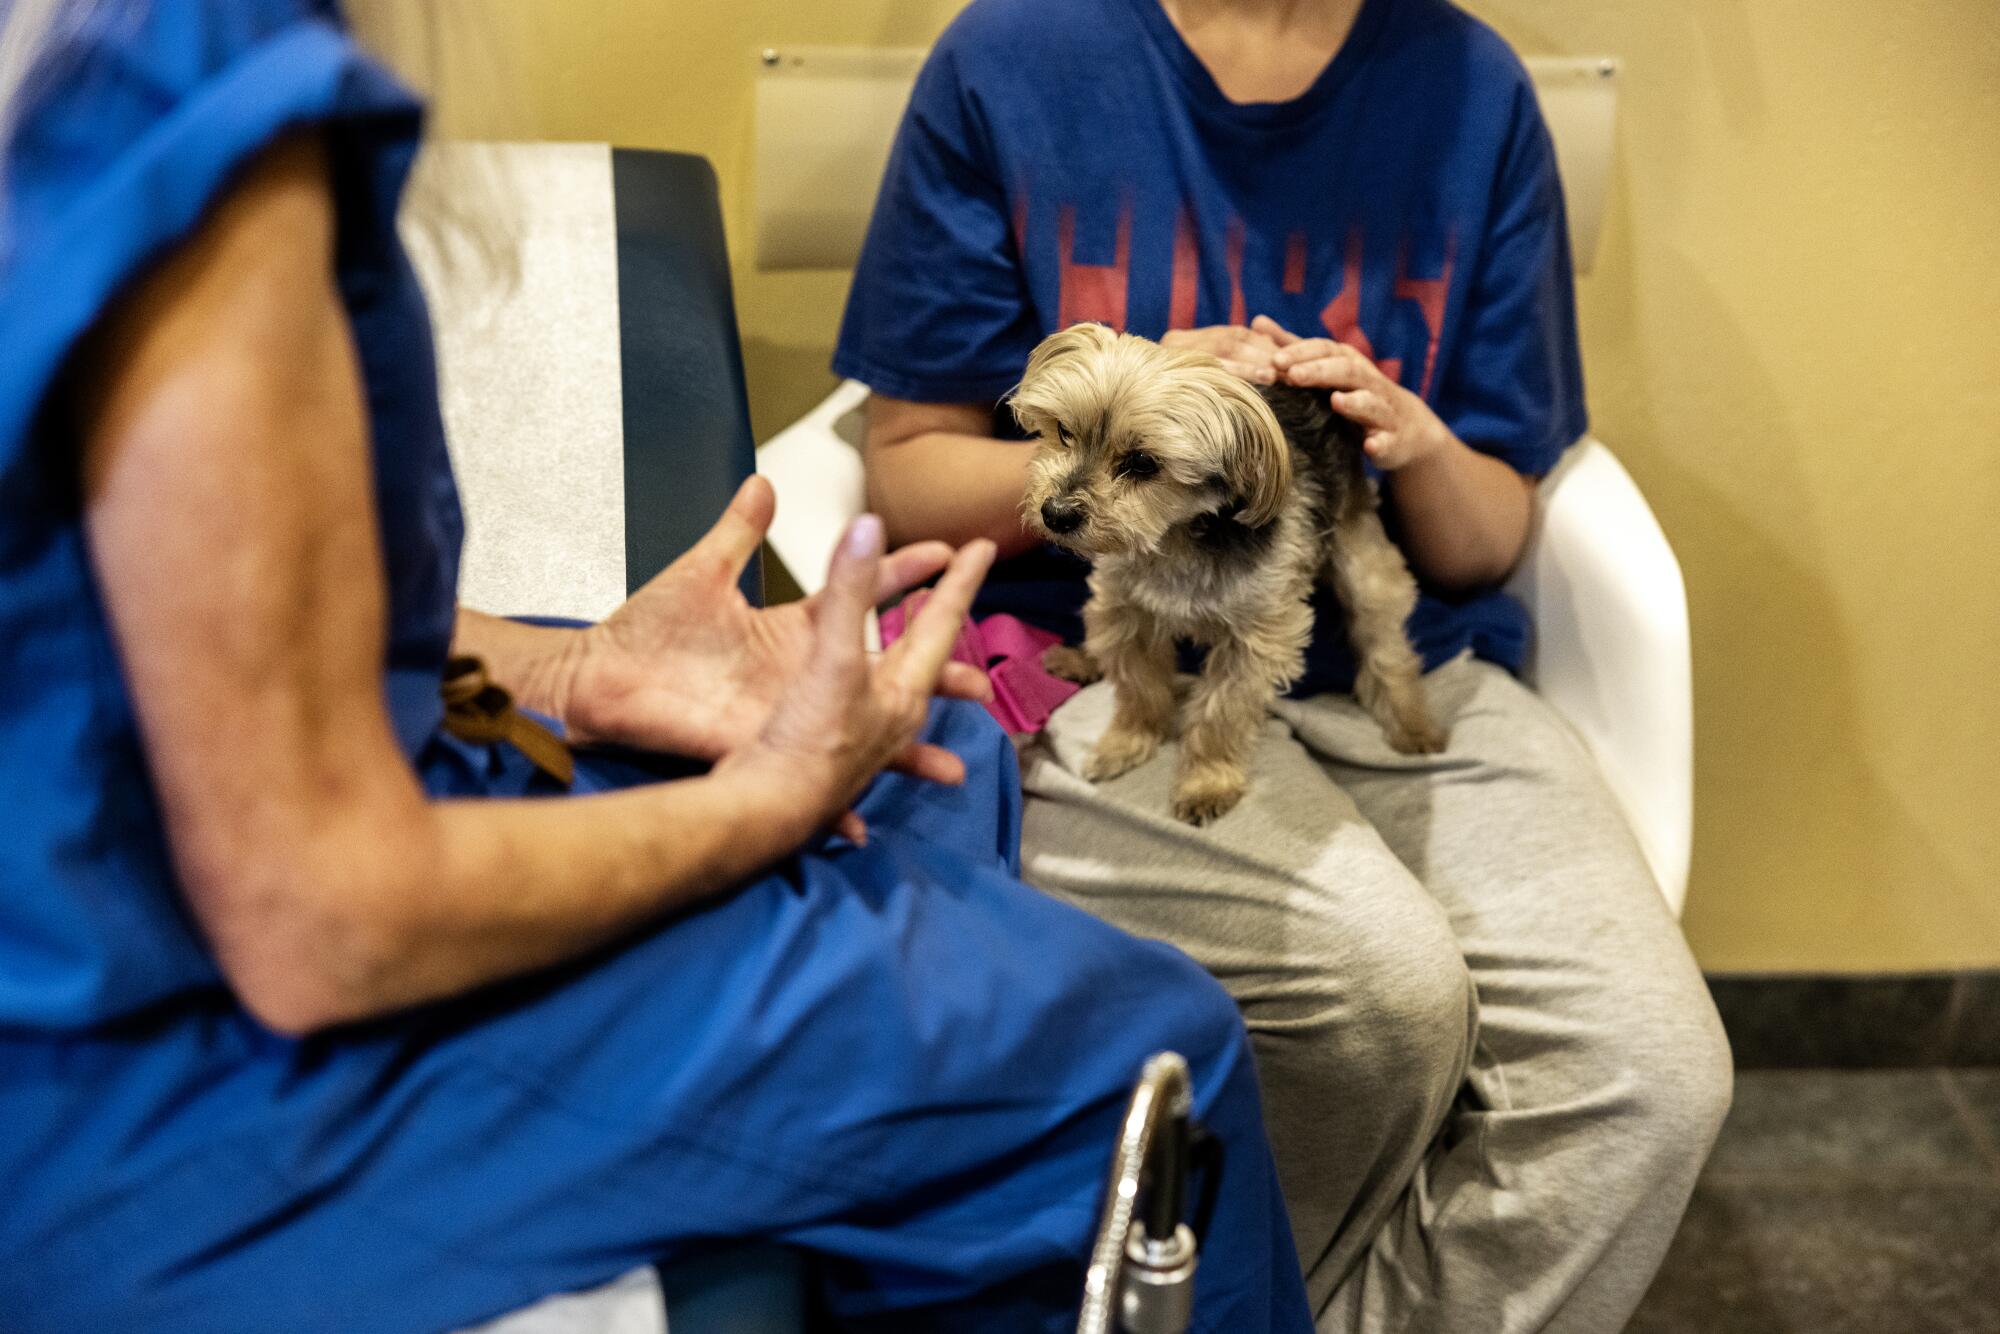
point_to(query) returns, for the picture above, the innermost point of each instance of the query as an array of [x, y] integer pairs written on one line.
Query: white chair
[[1610, 651]]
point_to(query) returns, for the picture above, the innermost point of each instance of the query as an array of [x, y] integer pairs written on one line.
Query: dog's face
[[1135, 439]]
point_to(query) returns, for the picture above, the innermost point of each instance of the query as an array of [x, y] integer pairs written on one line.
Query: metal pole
[[1141, 1276]]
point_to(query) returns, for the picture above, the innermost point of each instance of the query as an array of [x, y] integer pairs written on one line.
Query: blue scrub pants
[[898, 1057]]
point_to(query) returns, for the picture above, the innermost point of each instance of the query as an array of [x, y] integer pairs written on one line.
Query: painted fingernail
[[864, 539]]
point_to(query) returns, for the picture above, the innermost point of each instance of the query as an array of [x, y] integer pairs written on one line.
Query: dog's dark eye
[[1138, 464], [1062, 434]]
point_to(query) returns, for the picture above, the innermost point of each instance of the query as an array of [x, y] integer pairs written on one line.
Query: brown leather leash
[[478, 710]]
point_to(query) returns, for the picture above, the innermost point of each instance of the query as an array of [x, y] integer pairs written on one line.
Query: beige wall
[[1789, 339]]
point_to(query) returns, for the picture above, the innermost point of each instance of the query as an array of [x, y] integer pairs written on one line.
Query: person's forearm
[[953, 488], [534, 662], [424, 900], [1465, 516]]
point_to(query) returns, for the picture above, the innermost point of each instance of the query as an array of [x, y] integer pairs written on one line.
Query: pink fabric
[[1009, 651]]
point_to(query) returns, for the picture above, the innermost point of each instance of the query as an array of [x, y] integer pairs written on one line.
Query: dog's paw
[[1071, 664], [1208, 793], [1119, 753], [1416, 735]]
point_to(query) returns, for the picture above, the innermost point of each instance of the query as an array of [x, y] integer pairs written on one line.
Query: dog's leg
[[1225, 712], [1138, 659], [1071, 664], [1378, 591]]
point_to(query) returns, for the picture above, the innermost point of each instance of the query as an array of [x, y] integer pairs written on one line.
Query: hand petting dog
[[1399, 427], [1465, 514], [1247, 354]]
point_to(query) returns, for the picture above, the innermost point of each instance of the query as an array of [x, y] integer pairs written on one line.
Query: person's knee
[[968, 730], [979, 817], [1673, 1067], [1420, 1003], [1692, 1084], [1388, 1024]]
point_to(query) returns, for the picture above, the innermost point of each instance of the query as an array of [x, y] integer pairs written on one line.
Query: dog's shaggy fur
[[1208, 508]]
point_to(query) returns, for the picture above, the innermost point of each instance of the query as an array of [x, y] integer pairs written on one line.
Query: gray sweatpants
[[1491, 1069]]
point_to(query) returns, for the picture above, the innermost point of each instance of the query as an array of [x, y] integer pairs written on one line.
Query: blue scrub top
[[134, 130]]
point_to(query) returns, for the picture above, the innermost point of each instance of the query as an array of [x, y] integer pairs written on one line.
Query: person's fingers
[[1274, 331], [961, 680], [848, 597], [1365, 406], [932, 764], [737, 534], [906, 567], [1325, 373], [1251, 371], [1385, 449], [852, 828], [920, 654], [1307, 350]]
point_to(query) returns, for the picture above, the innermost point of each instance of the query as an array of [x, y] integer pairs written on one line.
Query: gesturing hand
[[1245, 352], [849, 715], [688, 667], [1400, 427]]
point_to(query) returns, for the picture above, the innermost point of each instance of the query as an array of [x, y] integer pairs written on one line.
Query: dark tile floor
[[1843, 1202]]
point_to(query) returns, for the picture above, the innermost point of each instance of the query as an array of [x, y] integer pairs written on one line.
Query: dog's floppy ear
[[1032, 400], [1259, 467]]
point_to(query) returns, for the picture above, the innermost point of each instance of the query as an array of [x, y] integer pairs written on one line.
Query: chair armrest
[[1611, 647], [815, 466]]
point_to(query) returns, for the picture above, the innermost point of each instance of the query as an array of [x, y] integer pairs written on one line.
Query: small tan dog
[[1209, 507]]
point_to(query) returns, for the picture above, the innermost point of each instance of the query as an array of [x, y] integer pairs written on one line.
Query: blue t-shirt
[[133, 131], [1066, 160]]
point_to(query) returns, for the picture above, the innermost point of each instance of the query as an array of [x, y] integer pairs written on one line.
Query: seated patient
[[321, 1010], [1491, 1068]]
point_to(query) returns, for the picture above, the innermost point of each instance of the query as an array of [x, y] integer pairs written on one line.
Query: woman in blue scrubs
[[334, 993]]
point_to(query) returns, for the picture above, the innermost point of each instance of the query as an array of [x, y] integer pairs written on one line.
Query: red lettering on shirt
[[1342, 315], [1186, 283], [1092, 292], [1232, 242], [1430, 295], [1100, 292], [1295, 263]]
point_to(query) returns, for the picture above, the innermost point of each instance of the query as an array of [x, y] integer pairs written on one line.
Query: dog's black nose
[[1061, 518]]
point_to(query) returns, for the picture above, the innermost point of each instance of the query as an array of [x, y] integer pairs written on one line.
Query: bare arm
[[935, 470], [230, 520], [1466, 515]]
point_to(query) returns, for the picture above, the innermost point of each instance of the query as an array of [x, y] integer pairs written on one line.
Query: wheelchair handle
[[1141, 1276]]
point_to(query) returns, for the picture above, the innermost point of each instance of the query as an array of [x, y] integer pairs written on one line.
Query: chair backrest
[[688, 444], [593, 393]]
